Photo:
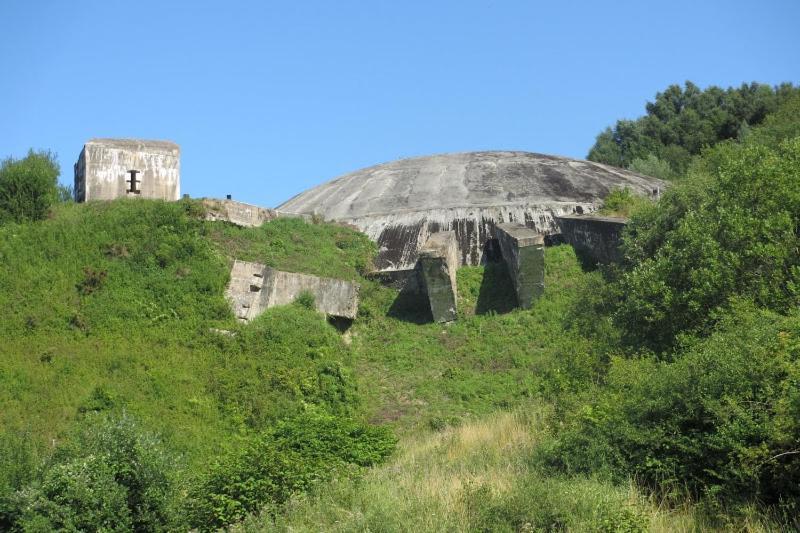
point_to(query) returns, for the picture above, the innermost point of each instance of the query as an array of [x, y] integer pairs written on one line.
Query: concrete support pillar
[[439, 260], [523, 252]]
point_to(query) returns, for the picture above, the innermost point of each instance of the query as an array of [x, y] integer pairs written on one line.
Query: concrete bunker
[[400, 204], [127, 168]]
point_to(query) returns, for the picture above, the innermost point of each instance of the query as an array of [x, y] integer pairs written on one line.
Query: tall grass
[[477, 477]]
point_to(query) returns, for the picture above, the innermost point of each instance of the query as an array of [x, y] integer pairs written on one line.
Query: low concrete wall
[[245, 215], [255, 287], [439, 260], [595, 239], [238, 213], [523, 252]]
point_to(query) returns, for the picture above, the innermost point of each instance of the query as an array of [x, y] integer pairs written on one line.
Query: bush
[[28, 187], [18, 462], [292, 457], [306, 299], [622, 203], [110, 475], [721, 421], [731, 233]]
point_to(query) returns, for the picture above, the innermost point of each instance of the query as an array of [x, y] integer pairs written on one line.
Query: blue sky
[[267, 98]]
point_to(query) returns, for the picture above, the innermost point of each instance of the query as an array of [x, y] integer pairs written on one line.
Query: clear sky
[[269, 98]]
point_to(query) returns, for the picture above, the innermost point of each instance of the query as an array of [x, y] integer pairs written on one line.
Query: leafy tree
[[652, 166], [683, 121], [783, 124], [28, 186]]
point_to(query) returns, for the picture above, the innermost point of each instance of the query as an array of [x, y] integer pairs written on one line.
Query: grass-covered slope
[[107, 307], [493, 357]]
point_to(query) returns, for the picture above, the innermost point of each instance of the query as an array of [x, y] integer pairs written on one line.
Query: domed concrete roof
[[469, 179], [399, 204]]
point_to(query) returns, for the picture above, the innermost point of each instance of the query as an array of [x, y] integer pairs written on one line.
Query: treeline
[[682, 121]]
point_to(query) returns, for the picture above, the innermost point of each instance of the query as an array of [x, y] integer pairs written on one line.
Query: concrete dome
[[399, 204]]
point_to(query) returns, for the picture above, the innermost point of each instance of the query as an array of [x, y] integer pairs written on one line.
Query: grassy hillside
[[108, 306], [110, 312]]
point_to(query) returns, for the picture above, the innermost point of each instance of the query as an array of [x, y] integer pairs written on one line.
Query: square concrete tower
[[132, 168]]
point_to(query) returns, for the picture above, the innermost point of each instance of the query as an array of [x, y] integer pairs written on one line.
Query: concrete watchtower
[[117, 168]]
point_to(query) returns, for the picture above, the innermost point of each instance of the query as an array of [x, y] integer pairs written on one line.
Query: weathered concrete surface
[[402, 280], [242, 214], [255, 287], [438, 260], [595, 239], [102, 170], [401, 204], [523, 253], [239, 213], [245, 290]]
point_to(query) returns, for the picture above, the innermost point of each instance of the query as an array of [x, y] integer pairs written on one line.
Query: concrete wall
[[255, 287], [401, 234], [238, 213], [523, 253], [438, 264], [245, 215], [101, 172], [595, 239]]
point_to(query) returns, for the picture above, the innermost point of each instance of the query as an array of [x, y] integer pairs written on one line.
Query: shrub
[[290, 458], [110, 475], [733, 233], [81, 494], [306, 299], [28, 187], [720, 421], [622, 203], [18, 462]]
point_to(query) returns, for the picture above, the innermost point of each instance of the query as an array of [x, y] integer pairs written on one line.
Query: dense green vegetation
[[28, 186], [682, 121], [109, 311], [658, 394]]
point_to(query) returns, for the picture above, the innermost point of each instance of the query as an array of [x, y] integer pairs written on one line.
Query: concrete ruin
[[438, 262], [595, 239], [255, 287], [523, 252], [242, 214], [399, 205], [127, 168], [239, 213]]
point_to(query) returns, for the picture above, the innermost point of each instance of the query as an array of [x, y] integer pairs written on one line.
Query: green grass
[[108, 306]]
